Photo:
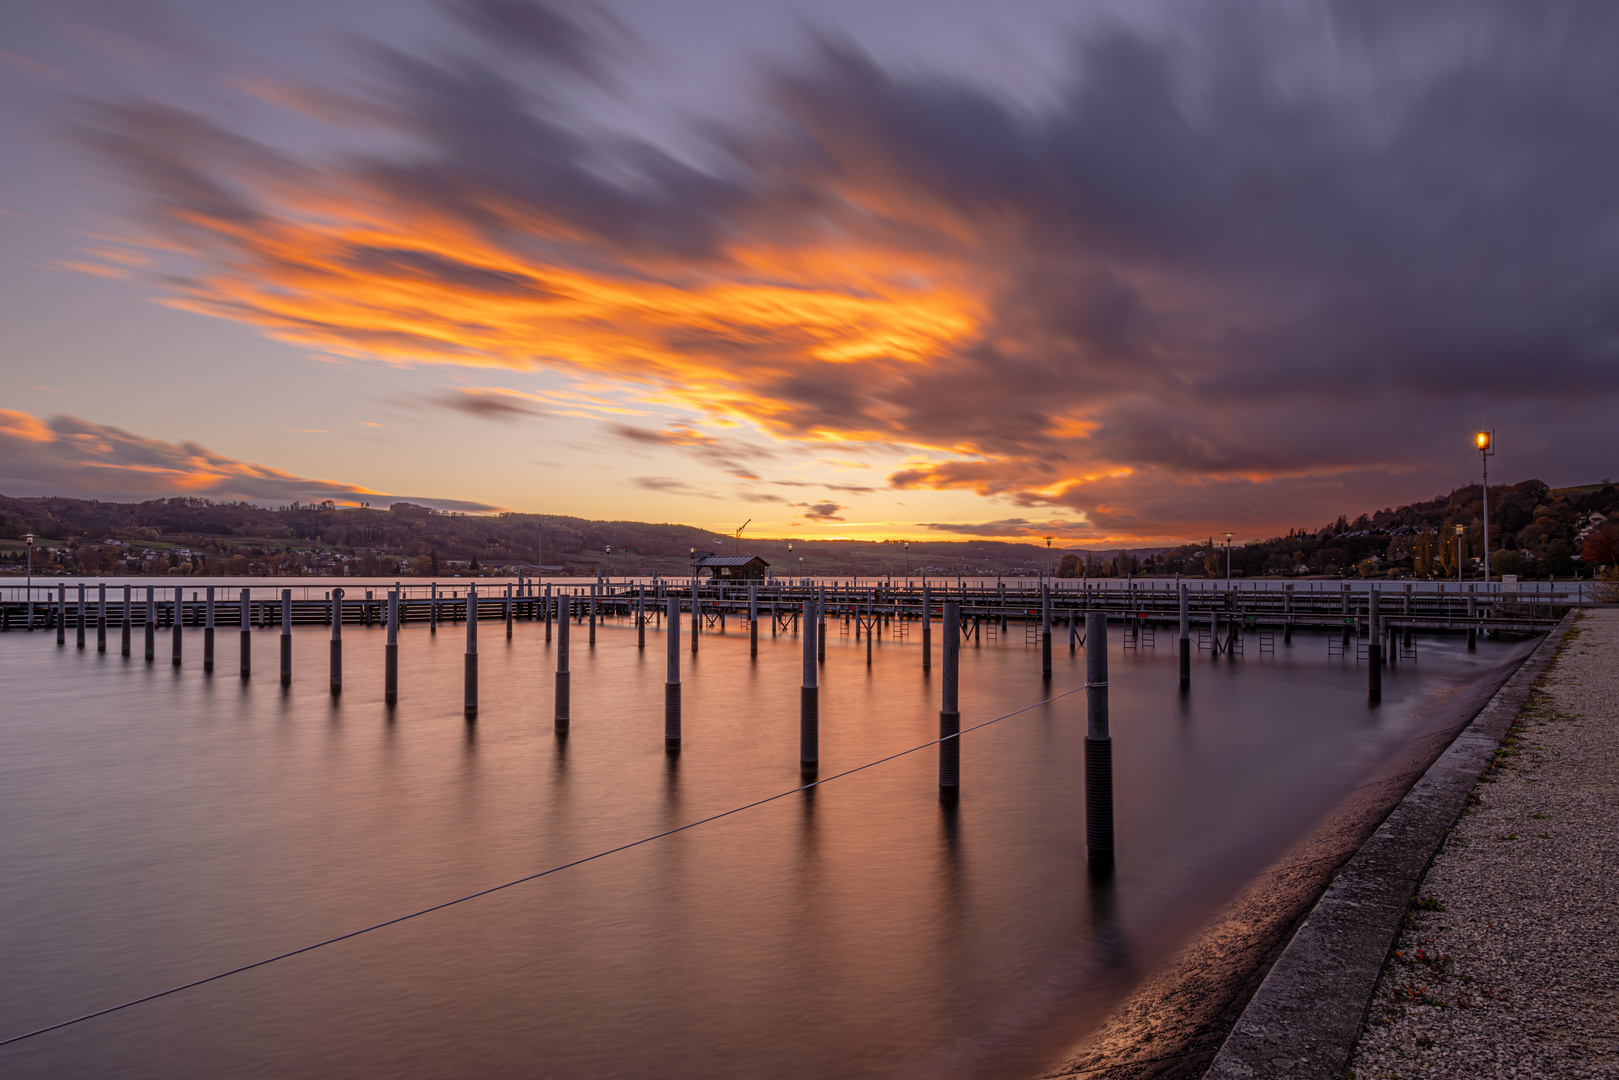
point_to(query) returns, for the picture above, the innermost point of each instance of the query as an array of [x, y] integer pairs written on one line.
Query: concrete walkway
[[1508, 965]]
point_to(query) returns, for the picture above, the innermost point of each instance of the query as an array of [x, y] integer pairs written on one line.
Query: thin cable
[[531, 877]]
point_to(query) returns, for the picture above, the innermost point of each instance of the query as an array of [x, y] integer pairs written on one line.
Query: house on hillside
[[731, 567]]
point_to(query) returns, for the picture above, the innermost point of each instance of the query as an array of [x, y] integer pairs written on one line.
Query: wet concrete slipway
[[158, 826]]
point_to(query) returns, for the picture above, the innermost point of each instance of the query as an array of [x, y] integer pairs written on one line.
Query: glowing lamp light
[[1483, 438]]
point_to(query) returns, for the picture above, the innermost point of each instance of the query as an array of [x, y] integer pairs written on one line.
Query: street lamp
[[790, 561], [1048, 557], [1461, 530], [29, 540], [1486, 450], [1228, 556], [907, 564], [608, 551]]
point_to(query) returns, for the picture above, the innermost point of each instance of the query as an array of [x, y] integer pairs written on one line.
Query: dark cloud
[[488, 404], [671, 486], [1010, 527], [822, 511], [1252, 262]]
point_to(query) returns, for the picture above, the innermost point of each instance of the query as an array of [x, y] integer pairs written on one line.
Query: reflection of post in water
[[1107, 931], [671, 785], [952, 880]]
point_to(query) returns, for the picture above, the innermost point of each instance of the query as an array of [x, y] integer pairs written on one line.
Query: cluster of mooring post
[[809, 700], [1098, 748], [950, 707]]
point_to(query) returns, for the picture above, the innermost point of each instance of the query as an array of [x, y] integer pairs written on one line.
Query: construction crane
[[738, 534]]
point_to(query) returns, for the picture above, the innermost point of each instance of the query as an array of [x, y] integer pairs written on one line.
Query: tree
[[1069, 566]]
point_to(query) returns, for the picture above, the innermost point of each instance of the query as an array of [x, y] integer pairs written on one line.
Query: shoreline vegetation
[[1535, 532]]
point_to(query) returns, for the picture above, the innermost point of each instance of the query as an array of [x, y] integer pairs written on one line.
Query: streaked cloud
[[1263, 263], [68, 456]]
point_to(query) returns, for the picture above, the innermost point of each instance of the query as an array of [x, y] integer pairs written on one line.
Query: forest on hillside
[[1535, 531]]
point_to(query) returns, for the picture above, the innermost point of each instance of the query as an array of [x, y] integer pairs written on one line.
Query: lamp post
[[1486, 450], [1228, 556], [907, 564], [608, 551], [790, 562], [1048, 559], [1461, 530]]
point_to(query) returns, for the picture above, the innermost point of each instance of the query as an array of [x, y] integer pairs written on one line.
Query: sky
[[1120, 273]]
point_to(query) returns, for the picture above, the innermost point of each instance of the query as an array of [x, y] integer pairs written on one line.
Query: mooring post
[[286, 637], [179, 617], [563, 698], [336, 607], [1098, 747], [548, 605], [151, 624], [81, 616], [101, 618], [390, 656], [127, 623], [1214, 633], [950, 706], [208, 635], [508, 611], [470, 697], [1472, 616], [432, 610], [246, 635], [820, 625], [61, 614], [809, 700], [1045, 630], [927, 627], [871, 623], [1287, 613], [1344, 613], [671, 682], [593, 587], [696, 617], [753, 618], [640, 617], [1374, 650], [1186, 637]]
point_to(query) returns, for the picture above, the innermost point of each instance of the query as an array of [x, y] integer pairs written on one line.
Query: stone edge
[[1307, 1014]]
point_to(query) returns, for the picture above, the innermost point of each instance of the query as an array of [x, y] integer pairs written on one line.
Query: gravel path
[[1507, 964]]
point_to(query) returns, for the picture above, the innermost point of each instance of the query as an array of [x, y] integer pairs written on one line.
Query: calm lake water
[[158, 825]]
